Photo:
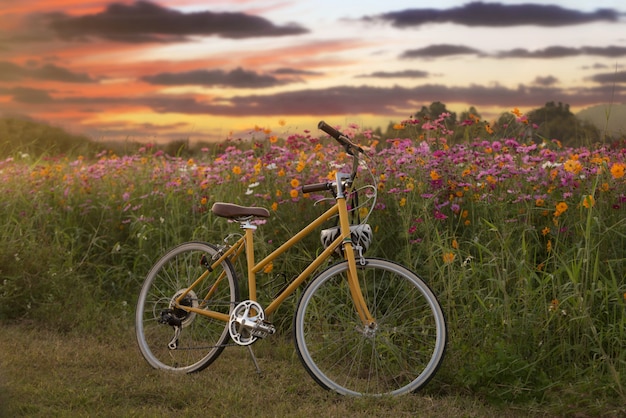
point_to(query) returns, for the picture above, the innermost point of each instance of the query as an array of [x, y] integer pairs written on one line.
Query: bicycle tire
[[399, 357], [201, 339]]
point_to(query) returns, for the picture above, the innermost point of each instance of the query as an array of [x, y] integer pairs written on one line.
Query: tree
[[467, 114], [556, 121], [434, 111]]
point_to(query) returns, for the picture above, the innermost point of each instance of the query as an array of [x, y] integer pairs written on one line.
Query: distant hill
[[611, 118], [21, 135]]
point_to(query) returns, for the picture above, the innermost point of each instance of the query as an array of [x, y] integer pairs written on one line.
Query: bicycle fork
[[369, 323]]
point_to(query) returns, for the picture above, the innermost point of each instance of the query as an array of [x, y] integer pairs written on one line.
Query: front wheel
[[173, 338], [399, 354]]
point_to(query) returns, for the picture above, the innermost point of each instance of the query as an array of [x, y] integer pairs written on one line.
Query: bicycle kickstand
[[259, 372]]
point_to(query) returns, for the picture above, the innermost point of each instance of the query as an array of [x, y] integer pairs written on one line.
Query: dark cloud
[[294, 71], [609, 78], [10, 71], [562, 52], [546, 81], [442, 50], [397, 74], [144, 21], [27, 95], [383, 101], [338, 100], [238, 78], [13, 72], [498, 15]]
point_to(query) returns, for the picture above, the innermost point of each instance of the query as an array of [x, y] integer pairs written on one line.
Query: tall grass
[[523, 242]]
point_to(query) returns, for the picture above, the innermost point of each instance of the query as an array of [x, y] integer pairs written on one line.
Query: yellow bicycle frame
[[247, 242]]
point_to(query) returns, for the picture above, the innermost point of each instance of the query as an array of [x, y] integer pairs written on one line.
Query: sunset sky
[[204, 70]]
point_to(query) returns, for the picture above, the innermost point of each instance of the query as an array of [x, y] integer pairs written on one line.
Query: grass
[[48, 374], [522, 241]]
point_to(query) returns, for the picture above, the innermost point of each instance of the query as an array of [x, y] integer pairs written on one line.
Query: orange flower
[[237, 170], [561, 207], [434, 175], [589, 201], [448, 258], [573, 166], [618, 170], [554, 305], [294, 183], [293, 193]]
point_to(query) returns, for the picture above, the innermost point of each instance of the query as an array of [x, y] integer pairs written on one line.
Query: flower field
[[524, 241]]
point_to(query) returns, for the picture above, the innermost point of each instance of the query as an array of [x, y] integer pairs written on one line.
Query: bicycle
[[363, 326]]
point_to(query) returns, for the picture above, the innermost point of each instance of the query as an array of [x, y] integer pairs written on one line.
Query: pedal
[[263, 329]]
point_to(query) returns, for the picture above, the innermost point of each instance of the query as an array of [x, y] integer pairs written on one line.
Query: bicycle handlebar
[[341, 138], [350, 147], [316, 187]]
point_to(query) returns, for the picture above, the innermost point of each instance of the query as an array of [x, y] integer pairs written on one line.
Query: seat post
[[250, 228]]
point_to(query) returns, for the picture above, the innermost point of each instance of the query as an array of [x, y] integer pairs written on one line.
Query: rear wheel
[[398, 354], [172, 338]]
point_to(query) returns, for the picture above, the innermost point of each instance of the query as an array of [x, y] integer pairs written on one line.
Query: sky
[[157, 70]]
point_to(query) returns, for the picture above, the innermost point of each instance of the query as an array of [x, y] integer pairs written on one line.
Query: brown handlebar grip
[[329, 130], [315, 187]]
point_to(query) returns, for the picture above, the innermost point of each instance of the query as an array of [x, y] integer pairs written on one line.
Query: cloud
[[442, 50], [609, 78], [497, 15], [546, 81], [562, 52], [27, 95], [144, 21], [238, 78], [294, 71], [383, 101], [335, 101], [12, 72], [397, 74]]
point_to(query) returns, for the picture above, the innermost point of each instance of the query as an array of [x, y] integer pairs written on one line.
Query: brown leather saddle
[[232, 211]]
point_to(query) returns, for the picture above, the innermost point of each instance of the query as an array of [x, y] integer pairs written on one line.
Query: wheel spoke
[[398, 355], [199, 339]]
